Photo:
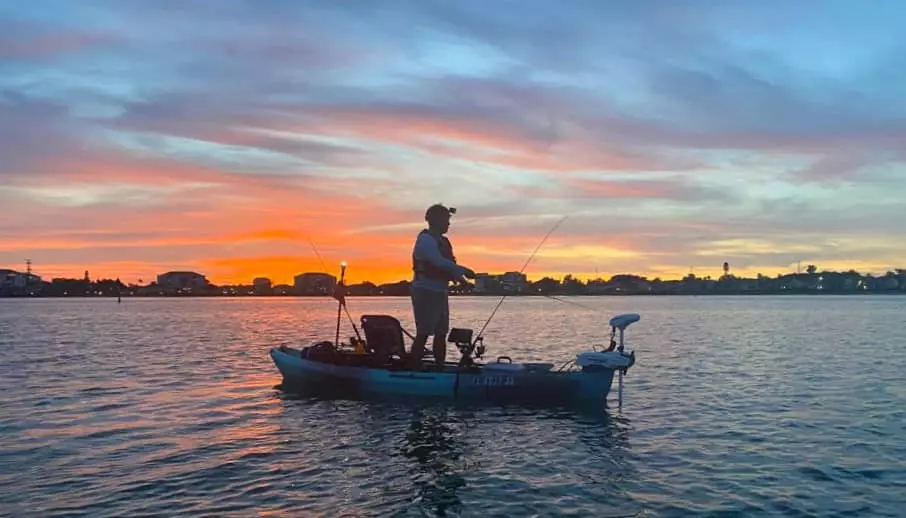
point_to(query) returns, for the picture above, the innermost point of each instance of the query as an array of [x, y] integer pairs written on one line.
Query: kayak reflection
[[432, 440]]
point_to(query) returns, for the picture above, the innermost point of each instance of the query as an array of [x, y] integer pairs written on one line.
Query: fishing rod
[[549, 232], [341, 302]]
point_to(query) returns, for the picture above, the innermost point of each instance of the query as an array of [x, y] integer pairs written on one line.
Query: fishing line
[[317, 254], [551, 231], [583, 306]]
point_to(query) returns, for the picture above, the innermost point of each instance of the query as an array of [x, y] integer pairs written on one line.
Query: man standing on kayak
[[434, 266]]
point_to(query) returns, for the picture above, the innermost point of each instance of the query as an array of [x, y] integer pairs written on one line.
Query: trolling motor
[[614, 356], [620, 322]]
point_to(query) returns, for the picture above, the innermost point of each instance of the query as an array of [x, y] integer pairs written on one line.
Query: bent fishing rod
[[549, 232]]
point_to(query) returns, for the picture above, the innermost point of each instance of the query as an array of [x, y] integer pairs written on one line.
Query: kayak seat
[[383, 335]]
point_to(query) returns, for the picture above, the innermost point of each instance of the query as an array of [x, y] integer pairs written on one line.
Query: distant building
[[183, 282], [283, 289], [512, 282], [482, 283], [238, 289], [13, 280], [314, 283], [262, 286]]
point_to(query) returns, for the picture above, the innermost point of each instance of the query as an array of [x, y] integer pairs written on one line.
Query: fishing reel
[[462, 338], [479, 351], [467, 348]]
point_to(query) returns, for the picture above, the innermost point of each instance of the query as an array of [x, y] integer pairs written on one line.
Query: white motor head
[[621, 322]]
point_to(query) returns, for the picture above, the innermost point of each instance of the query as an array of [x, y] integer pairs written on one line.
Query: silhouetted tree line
[[80, 288], [812, 281]]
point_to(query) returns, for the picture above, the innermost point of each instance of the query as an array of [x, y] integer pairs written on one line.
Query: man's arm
[[426, 248]]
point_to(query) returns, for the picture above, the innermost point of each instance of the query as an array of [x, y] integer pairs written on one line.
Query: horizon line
[[559, 276]]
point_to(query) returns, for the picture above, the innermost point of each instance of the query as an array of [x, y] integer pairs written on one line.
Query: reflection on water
[[451, 459], [738, 406], [433, 442]]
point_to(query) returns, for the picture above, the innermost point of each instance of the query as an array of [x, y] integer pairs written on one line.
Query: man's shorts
[[432, 311]]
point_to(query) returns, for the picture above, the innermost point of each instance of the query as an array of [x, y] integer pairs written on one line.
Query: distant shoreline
[[473, 295], [514, 284]]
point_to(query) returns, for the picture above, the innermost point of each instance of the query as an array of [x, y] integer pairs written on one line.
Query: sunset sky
[[138, 137]]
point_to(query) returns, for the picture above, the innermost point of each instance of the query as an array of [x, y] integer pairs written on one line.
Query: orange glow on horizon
[[282, 270]]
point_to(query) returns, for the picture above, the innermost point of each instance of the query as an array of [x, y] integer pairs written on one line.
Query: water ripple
[[739, 406]]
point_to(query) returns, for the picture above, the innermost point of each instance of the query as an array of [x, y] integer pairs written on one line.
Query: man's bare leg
[[440, 350]]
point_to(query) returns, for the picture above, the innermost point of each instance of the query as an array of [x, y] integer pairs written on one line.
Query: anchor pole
[[340, 303], [346, 309]]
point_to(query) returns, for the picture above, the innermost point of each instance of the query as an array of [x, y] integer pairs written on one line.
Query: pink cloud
[[28, 40], [481, 140]]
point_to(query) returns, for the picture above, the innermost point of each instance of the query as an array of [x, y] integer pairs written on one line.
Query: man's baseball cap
[[438, 211]]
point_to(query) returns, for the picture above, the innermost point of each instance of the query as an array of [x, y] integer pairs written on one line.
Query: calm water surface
[[748, 406]]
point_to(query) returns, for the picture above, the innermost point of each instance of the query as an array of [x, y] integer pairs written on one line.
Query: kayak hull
[[502, 382]]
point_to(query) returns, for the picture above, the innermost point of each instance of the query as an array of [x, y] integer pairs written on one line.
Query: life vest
[[426, 268]]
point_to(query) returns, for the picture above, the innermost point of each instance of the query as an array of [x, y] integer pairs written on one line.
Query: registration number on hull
[[495, 381]]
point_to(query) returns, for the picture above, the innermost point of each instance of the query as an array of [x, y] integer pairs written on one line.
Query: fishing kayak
[[379, 364]]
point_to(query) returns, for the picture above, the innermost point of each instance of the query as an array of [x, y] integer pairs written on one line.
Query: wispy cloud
[[675, 135]]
